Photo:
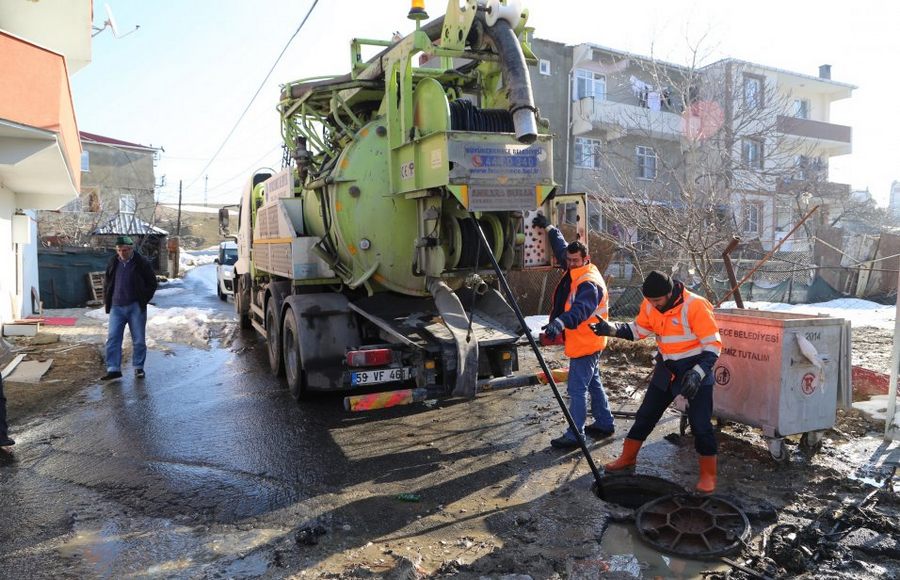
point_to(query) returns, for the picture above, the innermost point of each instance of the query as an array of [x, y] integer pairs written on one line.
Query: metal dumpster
[[781, 372]]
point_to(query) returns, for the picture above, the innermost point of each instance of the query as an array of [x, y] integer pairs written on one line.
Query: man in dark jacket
[[579, 297], [129, 286]]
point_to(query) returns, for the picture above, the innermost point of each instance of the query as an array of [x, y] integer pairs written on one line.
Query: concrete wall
[[18, 263], [551, 94]]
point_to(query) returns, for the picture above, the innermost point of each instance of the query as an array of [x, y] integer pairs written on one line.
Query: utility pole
[[205, 188], [178, 227]]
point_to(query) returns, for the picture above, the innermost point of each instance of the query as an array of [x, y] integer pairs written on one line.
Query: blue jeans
[[584, 379], [136, 319]]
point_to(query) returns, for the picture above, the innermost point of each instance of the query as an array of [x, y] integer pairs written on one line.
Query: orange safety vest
[[582, 341], [681, 332]]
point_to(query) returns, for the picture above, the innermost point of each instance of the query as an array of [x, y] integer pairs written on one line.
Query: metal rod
[[562, 405], [767, 256], [729, 269]]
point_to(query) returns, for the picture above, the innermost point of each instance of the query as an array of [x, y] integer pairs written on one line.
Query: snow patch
[[183, 325], [861, 313]]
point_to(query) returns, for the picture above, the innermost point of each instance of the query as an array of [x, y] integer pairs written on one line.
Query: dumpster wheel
[[811, 441], [693, 526], [778, 450]]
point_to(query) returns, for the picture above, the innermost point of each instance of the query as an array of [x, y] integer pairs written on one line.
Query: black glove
[[540, 221], [690, 384], [602, 328], [553, 329]]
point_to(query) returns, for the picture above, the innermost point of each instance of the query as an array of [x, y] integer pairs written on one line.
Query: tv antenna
[[110, 23]]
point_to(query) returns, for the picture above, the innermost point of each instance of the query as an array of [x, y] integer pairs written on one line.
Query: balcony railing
[[620, 119]]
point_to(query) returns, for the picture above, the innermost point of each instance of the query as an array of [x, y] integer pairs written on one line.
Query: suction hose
[[515, 71]]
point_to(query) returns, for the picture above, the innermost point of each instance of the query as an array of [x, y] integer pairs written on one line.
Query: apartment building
[[756, 137], [41, 45]]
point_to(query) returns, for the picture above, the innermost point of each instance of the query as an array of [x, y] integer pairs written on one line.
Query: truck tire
[[293, 364], [242, 301], [219, 292], [273, 339]]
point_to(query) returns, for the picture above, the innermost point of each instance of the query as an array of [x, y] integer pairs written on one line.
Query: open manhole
[[632, 490], [693, 526]]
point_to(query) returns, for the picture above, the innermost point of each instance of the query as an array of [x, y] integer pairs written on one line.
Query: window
[[73, 206], [751, 218], [544, 67], [590, 84], [587, 153], [595, 219], [802, 164], [127, 203], [646, 162], [85, 161], [753, 92], [801, 108], [752, 153]]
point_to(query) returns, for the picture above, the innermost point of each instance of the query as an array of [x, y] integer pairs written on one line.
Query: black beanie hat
[[656, 284]]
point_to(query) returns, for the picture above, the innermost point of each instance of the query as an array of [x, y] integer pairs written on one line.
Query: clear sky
[[182, 80]]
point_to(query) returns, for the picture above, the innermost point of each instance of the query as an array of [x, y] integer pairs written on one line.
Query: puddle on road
[[623, 551], [96, 548], [141, 547]]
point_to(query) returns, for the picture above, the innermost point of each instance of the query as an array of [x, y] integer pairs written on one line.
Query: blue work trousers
[[660, 394], [136, 319], [584, 379]]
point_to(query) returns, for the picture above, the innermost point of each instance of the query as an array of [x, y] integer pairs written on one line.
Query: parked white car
[[225, 269]]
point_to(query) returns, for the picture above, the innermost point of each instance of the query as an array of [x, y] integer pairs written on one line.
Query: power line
[[256, 94]]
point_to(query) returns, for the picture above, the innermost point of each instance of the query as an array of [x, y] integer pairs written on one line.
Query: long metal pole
[[537, 352], [767, 256], [891, 425]]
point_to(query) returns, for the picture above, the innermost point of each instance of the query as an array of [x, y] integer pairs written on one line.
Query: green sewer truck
[[361, 262]]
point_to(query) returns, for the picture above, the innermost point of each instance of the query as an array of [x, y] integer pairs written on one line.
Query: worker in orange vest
[[687, 338], [579, 297]]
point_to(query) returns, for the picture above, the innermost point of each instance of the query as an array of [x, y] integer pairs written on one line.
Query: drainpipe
[[569, 137]]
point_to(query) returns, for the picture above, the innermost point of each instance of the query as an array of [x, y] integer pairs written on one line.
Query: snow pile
[[194, 326], [860, 313], [188, 260]]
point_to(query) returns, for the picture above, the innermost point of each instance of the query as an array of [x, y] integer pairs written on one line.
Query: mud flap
[[457, 323]]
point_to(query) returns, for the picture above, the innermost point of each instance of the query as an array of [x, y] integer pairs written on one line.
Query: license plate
[[376, 376]]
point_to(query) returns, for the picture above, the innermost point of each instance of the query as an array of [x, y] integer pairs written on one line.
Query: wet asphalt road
[[208, 437]]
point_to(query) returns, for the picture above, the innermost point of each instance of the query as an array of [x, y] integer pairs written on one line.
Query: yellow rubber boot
[[630, 448], [707, 481]]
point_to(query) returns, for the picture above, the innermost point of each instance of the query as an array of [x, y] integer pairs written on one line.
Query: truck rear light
[[369, 358]]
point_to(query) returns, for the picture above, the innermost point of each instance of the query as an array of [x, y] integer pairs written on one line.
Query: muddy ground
[[494, 500]]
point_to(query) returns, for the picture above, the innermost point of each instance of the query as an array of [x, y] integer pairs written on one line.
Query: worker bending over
[[687, 338]]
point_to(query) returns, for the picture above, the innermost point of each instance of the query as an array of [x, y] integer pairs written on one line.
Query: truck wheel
[[242, 302], [293, 365], [273, 340], [221, 294]]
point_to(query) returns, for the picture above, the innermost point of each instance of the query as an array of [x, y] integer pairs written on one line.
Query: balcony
[[833, 139], [825, 189], [620, 119], [63, 27], [40, 152]]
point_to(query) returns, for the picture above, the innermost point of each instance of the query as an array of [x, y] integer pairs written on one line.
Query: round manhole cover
[[693, 526]]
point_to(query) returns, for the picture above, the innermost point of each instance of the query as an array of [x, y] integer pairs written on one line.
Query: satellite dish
[[111, 21], [111, 24]]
